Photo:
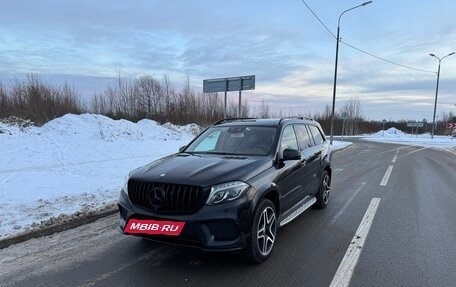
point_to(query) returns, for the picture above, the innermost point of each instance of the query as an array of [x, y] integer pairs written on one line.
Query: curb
[[59, 227]]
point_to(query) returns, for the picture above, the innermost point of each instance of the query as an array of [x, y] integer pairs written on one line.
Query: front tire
[[323, 193], [263, 233]]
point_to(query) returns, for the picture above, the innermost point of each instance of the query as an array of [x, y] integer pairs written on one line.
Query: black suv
[[231, 187]]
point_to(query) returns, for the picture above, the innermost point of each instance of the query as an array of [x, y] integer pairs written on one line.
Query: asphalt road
[[408, 239]]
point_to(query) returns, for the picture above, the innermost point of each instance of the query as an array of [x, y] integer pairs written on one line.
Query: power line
[[321, 22], [360, 50], [386, 60]]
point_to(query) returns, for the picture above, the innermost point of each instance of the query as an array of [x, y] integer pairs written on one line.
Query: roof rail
[[222, 121], [300, 118]]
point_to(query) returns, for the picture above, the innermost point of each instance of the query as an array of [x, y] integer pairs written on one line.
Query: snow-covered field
[[393, 135], [74, 164]]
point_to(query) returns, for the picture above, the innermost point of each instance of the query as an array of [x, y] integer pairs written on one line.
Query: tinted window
[[318, 137], [288, 139], [304, 139], [242, 140], [208, 143]]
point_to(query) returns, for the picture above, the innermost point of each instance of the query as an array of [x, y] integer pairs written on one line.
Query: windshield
[[239, 140]]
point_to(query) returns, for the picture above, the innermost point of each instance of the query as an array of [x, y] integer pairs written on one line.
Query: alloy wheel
[[266, 231], [325, 187]]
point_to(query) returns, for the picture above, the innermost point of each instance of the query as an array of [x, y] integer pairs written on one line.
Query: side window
[[288, 139], [304, 138], [318, 137]]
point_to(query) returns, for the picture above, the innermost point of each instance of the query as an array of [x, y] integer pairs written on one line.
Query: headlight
[[226, 192], [125, 185]]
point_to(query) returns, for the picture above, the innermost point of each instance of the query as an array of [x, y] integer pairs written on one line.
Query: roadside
[[396, 136], [59, 224], [72, 168]]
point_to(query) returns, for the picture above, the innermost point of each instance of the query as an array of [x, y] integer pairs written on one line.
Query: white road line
[[412, 152], [347, 266], [386, 176], [347, 203], [395, 149], [394, 158], [450, 150]]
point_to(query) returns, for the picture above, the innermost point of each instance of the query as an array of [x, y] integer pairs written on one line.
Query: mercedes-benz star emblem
[[157, 197]]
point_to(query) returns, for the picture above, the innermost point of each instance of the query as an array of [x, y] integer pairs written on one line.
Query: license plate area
[[154, 227]]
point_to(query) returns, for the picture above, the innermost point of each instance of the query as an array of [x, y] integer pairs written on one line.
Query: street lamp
[[335, 67], [437, 90]]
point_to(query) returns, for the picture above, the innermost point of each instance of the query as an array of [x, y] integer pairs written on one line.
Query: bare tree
[[264, 110], [352, 109], [5, 108]]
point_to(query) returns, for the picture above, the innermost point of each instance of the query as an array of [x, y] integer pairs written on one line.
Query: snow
[[74, 164], [339, 145], [393, 135]]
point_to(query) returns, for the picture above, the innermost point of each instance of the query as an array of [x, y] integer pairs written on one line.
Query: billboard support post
[[226, 90], [239, 106], [227, 85]]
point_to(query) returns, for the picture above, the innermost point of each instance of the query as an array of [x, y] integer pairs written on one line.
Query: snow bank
[[393, 135], [389, 133], [339, 145], [73, 164]]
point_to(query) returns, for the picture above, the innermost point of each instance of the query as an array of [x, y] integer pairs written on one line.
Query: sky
[[88, 43]]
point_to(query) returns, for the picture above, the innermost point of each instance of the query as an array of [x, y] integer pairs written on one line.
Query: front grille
[[164, 197]]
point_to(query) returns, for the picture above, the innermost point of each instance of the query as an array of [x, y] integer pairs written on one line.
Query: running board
[[298, 211]]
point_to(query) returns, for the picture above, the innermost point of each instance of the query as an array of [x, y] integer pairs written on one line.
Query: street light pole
[[437, 90], [335, 68]]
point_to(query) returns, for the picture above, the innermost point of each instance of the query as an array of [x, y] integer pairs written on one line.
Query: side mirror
[[291, 154], [182, 148]]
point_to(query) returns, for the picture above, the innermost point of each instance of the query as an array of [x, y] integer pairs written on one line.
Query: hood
[[201, 169]]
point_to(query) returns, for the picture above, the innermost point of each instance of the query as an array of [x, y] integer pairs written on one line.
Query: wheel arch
[[272, 194]]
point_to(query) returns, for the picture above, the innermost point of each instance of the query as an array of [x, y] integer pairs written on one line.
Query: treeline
[[146, 97], [36, 101]]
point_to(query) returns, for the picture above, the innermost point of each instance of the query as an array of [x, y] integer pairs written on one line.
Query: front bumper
[[222, 227]]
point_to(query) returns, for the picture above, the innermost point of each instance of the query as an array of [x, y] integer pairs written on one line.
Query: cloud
[[280, 42]]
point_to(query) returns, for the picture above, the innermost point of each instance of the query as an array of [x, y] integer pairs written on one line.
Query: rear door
[[316, 152], [309, 158]]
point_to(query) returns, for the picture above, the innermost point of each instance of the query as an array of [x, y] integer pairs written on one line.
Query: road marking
[[450, 150], [386, 176], [394, 158], [412, 152], [347, 203], [394, 149], [347, 266]]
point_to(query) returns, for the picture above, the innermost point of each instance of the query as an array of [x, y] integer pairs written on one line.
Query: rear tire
[[323, 193], [263, 233]]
